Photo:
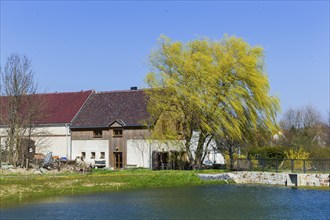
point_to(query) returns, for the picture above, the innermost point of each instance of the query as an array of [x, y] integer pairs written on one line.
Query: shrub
[[270, 152], [298, 153], [320, 152]]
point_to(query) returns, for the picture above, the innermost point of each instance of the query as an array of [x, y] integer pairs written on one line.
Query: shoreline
[[273, 178], [22, 189]]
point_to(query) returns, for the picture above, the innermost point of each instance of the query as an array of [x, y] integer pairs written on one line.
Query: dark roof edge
[[118, 91], [43, 125], [104, 127]]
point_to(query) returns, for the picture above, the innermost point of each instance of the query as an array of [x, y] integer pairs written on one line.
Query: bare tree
[[19, 106], [303, 127]]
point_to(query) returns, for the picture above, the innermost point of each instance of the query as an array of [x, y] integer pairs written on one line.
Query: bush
[[276, 152], [235, 155], [298, 153], [320, 152]]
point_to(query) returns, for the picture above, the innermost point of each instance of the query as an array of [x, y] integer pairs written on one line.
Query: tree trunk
[[199, 151], [11, 143], [188, 135], [187, 146], [231, 157]]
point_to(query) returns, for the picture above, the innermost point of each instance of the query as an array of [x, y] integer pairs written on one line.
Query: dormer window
[[117, 132], [97, 134]]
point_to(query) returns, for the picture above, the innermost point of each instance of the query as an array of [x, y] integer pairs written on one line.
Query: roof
[[57, 108], [127, 107]]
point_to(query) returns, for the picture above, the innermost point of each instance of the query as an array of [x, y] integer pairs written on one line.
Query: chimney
[[133, 88]]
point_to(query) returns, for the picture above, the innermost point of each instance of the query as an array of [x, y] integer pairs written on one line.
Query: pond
[[197, 202]]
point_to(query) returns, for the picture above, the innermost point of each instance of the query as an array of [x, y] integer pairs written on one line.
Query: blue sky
[[104, 45]]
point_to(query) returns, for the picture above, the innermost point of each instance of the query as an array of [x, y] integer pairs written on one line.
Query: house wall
[[89, 146], [51, 138], [133, 144], [83, 140], [139, 151], [55, 139]]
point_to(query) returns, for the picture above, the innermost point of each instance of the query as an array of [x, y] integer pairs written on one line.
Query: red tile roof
[[57, 107], [129, 107]]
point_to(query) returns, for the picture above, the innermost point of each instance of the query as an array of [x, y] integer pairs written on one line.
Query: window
[[102, 155], [97, 133], [118, 132], [83, 155], [92, 155]]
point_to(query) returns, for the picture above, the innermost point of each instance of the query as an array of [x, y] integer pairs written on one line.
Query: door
[[118, 156]]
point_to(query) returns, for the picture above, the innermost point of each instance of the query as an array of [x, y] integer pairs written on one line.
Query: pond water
[[197, 202]]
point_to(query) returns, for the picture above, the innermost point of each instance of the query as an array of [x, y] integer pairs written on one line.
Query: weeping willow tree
[[217, 88]]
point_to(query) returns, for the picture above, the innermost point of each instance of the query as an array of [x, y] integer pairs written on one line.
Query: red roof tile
[[57, 107]]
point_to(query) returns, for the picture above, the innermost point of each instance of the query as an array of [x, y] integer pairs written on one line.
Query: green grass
[[23, 188]]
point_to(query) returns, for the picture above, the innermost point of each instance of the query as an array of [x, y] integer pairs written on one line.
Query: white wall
[[55, 139], [139, 151], [212, 154], [90, 146]]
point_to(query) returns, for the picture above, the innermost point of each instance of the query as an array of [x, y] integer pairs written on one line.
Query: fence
[[285, 165]]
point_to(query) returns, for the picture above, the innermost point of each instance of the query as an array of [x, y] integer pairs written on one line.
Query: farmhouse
[[111, 127], [51, 129], [108, 127]]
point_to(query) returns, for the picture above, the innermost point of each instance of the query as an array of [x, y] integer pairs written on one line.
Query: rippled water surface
[[198, 202]]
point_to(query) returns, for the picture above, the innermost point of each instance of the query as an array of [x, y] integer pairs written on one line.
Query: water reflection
[[199, 202]]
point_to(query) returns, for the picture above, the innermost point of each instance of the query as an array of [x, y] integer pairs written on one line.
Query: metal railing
[[283, 165]]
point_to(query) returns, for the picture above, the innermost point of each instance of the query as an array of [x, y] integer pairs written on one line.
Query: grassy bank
[[23, 188]]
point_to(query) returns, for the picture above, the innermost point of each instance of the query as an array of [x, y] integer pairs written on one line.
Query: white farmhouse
[[51, 131]]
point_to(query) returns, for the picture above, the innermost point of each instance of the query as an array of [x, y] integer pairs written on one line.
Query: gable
[[117, 124]]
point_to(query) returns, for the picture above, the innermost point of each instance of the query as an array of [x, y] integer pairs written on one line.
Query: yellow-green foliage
[[217, 87], [235, 156], [300, 154]]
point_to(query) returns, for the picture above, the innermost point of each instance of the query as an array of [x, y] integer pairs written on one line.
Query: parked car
[[99, 164]]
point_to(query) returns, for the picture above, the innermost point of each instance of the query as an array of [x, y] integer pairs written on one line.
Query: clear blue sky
[[81, 45]]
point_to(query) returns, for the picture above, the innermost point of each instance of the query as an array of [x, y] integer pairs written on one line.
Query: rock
[[37, 172], [42, 170], [21, 170]]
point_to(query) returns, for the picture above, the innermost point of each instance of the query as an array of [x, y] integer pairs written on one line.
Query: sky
[[105, 45]]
